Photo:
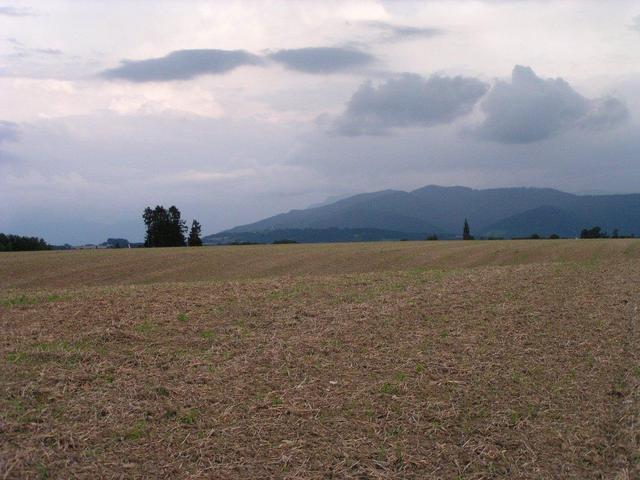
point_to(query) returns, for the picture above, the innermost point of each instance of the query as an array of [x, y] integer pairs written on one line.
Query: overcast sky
[[234, 111]]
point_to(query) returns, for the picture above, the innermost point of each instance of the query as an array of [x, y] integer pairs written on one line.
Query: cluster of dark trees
[[596, 232], [165, 228], [117, 243], [17, 243]]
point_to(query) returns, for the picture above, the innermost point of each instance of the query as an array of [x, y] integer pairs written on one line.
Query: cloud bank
[[406, 101], [529, 109], [189, 64]]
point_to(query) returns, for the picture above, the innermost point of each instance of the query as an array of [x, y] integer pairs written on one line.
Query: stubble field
[[503, 359]]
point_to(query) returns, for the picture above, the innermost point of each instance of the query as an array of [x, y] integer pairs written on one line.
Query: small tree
[[194, 235], [466, 231]]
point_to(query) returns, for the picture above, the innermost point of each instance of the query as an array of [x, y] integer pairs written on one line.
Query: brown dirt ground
[[525, 367]]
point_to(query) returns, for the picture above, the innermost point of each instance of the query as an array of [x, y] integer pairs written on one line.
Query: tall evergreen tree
[[177, 227], [194, 235], [466, 231]]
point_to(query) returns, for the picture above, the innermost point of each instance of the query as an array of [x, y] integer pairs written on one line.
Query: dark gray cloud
[[390, 32], [188, 64], [530, 109], [321, 59], [408, 100], [9, 11], [182, 65]]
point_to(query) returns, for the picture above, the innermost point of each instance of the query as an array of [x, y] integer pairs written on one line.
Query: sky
[[234, 111]]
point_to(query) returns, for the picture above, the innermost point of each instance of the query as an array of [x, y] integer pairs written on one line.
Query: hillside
[[543, 221], [511, 212]]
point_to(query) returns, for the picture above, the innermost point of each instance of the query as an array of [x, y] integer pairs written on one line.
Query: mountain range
[[395, 214]]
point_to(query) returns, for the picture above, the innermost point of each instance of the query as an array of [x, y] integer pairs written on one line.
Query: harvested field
[[393, 360], [63, 269]]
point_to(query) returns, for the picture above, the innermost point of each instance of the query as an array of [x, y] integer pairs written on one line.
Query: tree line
[[594, 232], [17, 243], [165, 228]]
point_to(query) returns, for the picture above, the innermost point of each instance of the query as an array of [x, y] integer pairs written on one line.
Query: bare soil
[[443, 360]]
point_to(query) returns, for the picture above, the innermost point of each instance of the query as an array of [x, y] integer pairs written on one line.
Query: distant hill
[[506, 212], [543, 221]]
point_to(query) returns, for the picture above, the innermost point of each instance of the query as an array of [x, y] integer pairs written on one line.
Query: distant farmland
[[509, 359]]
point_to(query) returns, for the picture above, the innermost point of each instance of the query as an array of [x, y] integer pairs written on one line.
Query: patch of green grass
[[420, 368], [15, 409], [189, 417], [389, 388], [19, 300], [144, 327], [54, 346], [514, 418], [137, 431], [25, 300], [183, 317], [400, 376], [15, 357], [161, 391], [207, 334], [42, 471]]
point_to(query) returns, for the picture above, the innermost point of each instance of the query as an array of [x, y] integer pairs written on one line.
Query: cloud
[[188, 64], [394, 33], [605, 113], [321, 59], [406, 101], [21, 50], [8, 132], [636, 23], [182, 65], [529, 109], [9, 11]]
